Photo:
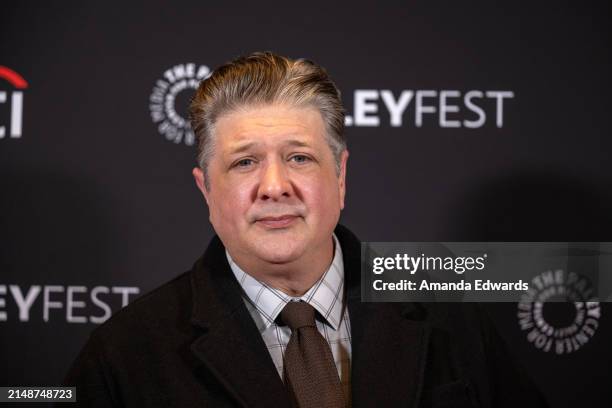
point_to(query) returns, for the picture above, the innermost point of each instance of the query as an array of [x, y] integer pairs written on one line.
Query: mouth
[[282, 221]]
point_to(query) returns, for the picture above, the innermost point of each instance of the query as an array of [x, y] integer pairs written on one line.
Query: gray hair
[[265, 78]]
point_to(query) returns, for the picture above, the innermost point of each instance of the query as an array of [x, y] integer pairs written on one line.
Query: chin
[[279, 252]]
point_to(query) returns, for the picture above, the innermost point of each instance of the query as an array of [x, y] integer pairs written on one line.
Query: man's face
[[275, 196]]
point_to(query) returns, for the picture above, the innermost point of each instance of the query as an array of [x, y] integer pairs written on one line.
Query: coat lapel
[[230, 345], [388, 341]]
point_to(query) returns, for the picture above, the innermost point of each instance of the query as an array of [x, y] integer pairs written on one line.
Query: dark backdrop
[[97, 201]]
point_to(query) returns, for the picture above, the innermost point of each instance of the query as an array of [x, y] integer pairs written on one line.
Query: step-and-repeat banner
[[481, 122]]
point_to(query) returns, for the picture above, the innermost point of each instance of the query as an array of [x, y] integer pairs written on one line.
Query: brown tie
[[310, 373]]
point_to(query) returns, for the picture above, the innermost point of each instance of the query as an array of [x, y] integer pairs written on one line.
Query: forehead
[[270, 124]]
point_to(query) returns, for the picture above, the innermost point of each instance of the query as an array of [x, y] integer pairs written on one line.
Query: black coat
[[193, 343]]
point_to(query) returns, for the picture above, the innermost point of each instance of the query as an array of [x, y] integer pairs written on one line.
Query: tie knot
[[298, 314]]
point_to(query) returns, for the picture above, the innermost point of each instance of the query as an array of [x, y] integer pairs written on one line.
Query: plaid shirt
[[326, 296]]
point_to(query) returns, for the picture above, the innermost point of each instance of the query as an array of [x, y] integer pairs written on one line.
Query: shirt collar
[[326, 295]]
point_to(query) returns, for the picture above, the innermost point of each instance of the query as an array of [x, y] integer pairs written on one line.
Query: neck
[[293, 278]]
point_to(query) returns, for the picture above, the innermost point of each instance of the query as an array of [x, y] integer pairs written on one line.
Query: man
[[271, 313]]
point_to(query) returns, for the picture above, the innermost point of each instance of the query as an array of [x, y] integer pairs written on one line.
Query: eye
[[300, 158], [244, 163]]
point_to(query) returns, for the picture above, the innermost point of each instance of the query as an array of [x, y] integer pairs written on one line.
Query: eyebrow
[[248, 145]]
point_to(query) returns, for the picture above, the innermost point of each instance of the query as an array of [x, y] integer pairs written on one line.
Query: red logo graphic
[[19, 83]]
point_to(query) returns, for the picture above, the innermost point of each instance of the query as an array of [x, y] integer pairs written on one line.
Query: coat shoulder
[[160, 312]]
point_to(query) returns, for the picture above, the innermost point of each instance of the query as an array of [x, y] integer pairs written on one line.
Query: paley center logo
[[68, 303], [575, 321], [14, 97], [446, 108], [420, 108], [172, 124]]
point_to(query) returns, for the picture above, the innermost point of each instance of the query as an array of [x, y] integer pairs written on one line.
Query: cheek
[[322, 196], [230, 205]]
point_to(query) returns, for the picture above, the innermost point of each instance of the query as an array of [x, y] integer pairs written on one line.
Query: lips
[[282, 221]]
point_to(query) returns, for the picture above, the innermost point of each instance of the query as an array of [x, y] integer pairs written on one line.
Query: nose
[[275, 183]]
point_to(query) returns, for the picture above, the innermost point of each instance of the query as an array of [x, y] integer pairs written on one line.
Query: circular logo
[[163, 101], [559, 312]]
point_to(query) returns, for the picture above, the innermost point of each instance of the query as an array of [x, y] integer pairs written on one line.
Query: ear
[[342, 177], [198, 176]]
